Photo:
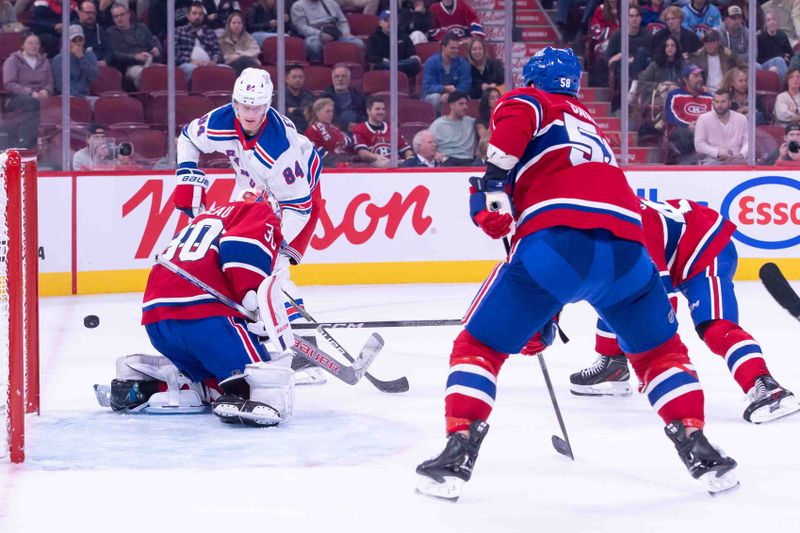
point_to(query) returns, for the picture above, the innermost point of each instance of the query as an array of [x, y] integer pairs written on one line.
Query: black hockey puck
[[91, 321]]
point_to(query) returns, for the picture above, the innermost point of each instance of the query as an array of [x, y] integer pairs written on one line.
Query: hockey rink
[[346, 462]]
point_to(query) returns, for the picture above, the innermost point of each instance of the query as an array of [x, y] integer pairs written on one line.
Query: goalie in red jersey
[[578, 237]]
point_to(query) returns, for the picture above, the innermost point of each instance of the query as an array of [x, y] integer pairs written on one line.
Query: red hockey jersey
[[683, 237], [459, 18], [328, 139], [377, 140], [232, 248], [567, 174]]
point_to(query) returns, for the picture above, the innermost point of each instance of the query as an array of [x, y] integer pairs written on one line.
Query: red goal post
[[19, 300]]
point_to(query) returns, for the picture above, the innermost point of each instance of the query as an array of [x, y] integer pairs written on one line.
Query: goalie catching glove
[[489, 203], [190, 193]]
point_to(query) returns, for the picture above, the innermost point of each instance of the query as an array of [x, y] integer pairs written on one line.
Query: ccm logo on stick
[[766, 211]]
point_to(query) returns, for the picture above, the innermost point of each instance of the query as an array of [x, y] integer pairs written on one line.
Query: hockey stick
[[381, 324], [349, 374], [396, 385], [561, 445], [775, 283]]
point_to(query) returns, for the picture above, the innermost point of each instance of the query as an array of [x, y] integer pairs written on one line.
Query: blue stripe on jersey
[[670, 384], [710, 239], [314, 169], [233, 251], [222, 118], [222, 137], [473, 381], [674, 231], [535, 103], [744, 351], [262, 160], [291, 312], [199, 301], [273, 138], [555, 136], [582, 208]]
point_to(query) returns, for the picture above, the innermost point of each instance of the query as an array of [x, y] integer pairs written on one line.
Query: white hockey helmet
[[253, 87]]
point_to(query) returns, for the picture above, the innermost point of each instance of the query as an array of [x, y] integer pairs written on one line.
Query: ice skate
[[608, 376], [233, 409], [769, 401], [307, 373], [705, 462], [444, 475]]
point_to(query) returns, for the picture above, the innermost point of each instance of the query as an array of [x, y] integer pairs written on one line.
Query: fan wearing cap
[[83, 65], [715, 60], [377, 51], [788, 153], [684, 105], [264, 148], [733, 32]]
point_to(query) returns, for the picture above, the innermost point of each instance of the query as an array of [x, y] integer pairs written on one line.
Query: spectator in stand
[[563, 8], [486, 72], [735, 83], [415, 20], [714, 60], [349, 101], [733, 32], [700, 16], [683, 107], [721, 134], [96, 37], [774, 50], [320, 22], [8, 18], [373, 138], [788, 13], [334, 145], [104, 16], [83, 65], [218, 11], [660, 77], [651, 13], [444, 73], [639, 43], [788, 154], [454, 16], [604, 22], [262, 20], [27, 75], [485, 107], [787, 104], [673, 18], [455, 132], [46, 23], [196, 44], [377, 52], [297, 98], [84, 159], [425, 154], [157, 16], [239, 49], [133, 47]]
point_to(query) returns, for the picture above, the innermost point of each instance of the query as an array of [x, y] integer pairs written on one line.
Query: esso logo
[[766, 211], [696, 109]]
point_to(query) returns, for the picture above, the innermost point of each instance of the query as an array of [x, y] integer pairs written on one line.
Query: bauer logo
[[766, 211]]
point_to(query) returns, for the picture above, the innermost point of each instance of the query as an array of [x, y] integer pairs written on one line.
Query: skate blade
[[261, 417], [720, 484], [607, 388], [310, 376], [450, 490], [176, 410], [784, 407]]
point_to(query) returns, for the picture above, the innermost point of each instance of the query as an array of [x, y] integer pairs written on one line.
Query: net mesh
[[4, 314]]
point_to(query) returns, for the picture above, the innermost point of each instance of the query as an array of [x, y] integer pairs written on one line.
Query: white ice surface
[[346, 462]]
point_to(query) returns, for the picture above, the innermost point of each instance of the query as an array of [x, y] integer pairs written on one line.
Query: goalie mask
[[260, 194]]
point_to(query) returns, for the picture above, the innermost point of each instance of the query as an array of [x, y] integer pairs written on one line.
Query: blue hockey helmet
[[554, 70]]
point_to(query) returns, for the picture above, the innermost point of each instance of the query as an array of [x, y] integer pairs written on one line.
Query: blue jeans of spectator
[[435, 99], [563, 8], [187, 69], [779, 63], [314, 45], [261, 36], [410, 66]]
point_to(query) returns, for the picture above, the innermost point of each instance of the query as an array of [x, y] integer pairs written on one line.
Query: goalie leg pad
[[272, 312], [262, 396]]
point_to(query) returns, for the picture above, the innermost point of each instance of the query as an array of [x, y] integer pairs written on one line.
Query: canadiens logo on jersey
[[377, 139]]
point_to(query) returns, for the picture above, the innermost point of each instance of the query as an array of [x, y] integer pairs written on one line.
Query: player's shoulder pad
[[221, 121], [275, 137]]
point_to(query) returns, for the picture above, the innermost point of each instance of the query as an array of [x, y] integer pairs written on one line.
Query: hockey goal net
[[19, 301]]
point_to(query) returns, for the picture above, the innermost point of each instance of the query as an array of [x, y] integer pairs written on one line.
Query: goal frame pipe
[[31, 231], [16, 341]]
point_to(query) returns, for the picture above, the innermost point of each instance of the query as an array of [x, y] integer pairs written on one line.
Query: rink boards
[[99, 232]]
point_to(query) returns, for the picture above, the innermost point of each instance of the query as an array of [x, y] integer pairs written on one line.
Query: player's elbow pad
[[499, 158]]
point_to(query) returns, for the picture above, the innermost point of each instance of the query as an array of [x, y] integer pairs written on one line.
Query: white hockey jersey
[[278, 157]]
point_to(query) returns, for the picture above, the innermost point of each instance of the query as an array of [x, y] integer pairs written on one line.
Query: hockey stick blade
[[301, 347], [783, 293], [381, 324], [561, 446], [393, 386]]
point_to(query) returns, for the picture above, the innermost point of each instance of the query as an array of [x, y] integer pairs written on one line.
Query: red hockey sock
[[741, 352], [472, 382], [669, 381]]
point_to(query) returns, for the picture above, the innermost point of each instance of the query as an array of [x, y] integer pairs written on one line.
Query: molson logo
[[767, 212]]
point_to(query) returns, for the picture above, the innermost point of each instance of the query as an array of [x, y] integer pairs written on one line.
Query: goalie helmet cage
[[19, 301]]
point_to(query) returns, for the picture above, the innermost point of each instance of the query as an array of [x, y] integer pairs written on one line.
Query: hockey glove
[[190, 193], [489, 203], [543, 338]]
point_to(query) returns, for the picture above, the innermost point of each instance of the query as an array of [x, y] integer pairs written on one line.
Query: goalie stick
[[560, 444], [783, 293], [349, 374], [381, 324], [396, 385]]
